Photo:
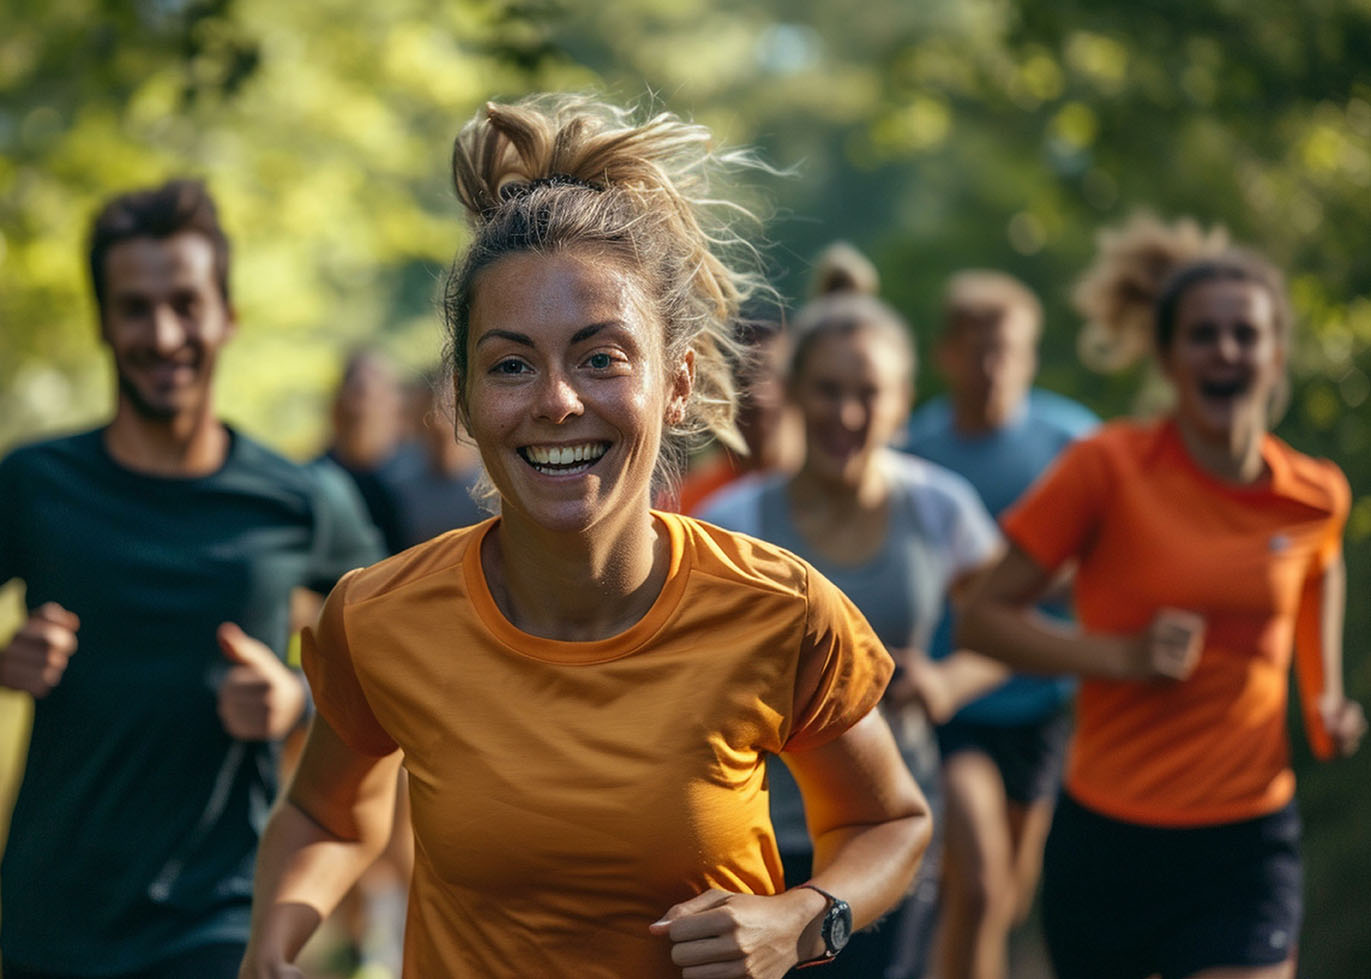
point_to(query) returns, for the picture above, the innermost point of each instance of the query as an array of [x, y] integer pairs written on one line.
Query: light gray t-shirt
[[938, 530]]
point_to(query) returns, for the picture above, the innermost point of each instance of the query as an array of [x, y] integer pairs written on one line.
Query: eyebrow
[[523, 339]]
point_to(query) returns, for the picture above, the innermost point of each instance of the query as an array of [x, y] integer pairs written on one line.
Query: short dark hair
[[157, 212]]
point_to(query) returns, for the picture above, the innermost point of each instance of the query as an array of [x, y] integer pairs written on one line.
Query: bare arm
[[1343, 719], [944, 686], [869, 821], [999, 621], [328, 827], [870, 825]]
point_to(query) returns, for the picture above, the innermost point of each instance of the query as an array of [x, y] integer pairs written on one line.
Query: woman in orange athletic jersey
[[1208, 552], [583, 690]]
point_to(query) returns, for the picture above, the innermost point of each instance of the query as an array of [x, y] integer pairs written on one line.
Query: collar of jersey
[[626, 643]]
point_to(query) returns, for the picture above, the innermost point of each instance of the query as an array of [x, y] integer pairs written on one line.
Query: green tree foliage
[[934, 135], [323, 130]]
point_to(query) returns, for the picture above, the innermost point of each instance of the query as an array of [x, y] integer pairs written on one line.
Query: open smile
[[1224, 389], [563, 460]]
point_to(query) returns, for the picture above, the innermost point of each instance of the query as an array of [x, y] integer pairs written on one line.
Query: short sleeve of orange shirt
[[566, 794], [1150, 530]]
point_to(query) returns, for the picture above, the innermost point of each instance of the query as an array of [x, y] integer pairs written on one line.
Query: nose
[[851, 413], [168, 332], [557, 398], [1228, 347]]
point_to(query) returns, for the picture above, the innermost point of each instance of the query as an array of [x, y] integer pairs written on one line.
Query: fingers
[[1175, 640], [37, 655], [259, 698], [57, 615], [700, 902], [1345, 722], [238, 647]]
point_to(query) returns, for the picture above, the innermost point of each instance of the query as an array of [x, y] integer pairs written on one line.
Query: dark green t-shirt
[[137, 819]]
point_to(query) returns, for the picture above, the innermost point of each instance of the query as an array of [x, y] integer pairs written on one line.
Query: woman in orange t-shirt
[[584, 690], [1207, 553]]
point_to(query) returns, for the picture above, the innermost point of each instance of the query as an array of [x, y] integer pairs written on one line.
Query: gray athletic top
[[938, 530]]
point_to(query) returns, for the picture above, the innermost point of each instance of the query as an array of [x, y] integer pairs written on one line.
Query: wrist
[[834, 927], [811, 906], [1118, 659]]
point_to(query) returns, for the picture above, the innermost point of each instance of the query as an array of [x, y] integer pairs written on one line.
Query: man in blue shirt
[[159, 553], [1002, 752]]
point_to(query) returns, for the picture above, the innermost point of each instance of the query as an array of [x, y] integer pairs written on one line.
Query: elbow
[[916, 838]]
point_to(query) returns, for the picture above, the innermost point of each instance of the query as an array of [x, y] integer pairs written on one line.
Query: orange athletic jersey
[[1150, 529], [566, 794]]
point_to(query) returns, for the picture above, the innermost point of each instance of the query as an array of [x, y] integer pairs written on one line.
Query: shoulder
[[741, 559], [249, 457], [1056, 411], [52, 451], [923, 480], [319, 482], [1125, 441], [737, 505], [394, 576], [1315, 481]]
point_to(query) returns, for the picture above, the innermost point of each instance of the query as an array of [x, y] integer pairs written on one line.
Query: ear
[[682, 382]]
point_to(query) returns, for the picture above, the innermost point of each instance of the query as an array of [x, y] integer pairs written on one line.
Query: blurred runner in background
[[1208, 553], [1002, 753], [159, 553]]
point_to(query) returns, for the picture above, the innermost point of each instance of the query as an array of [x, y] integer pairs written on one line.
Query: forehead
[[1225, 299], [866, 355], [994, 322], [146, 264], [533, 292]]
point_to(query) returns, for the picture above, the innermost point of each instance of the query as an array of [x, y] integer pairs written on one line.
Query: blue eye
[[600, 361]]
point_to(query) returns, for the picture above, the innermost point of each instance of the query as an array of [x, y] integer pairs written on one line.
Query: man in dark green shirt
[[159, 553]]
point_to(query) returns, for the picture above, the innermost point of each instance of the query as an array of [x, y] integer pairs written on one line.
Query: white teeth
[[564, 455]]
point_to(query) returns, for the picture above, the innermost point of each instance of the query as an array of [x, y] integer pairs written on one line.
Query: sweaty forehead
[[146, 263], [562, 289]]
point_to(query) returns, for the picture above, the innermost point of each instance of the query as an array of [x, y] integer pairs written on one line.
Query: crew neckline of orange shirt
[[589, 652], [1278, 482]]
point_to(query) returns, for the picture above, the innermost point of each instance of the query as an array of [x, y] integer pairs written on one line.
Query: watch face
[[839, 926]]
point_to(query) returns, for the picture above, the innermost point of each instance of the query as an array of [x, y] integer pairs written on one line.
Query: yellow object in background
[[16, 715]]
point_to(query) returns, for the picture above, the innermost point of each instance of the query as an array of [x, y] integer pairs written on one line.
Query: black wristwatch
[[835, 930]]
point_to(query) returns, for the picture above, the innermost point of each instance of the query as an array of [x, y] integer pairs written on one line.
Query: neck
[[191, 444], [362, 451], [445, 458], [575, 587], [980, 416], [817, 494], [1235, 459]]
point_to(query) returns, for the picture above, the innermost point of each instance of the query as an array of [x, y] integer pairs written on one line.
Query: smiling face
[[853, 392], [989, 357], [165, 320], [1226, 357], [567, 390]]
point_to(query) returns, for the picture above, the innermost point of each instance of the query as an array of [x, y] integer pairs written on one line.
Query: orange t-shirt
[[1150, 529], [566, 794]]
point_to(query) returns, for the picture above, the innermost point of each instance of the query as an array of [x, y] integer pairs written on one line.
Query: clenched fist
[[260, 698], [36, 657]]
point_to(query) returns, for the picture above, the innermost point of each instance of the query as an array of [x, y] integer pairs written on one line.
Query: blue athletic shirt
[[137, 819], [1001, 465]]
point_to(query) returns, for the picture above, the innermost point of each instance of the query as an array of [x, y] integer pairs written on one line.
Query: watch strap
[[829, 953]]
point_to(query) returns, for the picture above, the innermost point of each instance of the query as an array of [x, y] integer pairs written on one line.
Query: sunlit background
[[934, 135]]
